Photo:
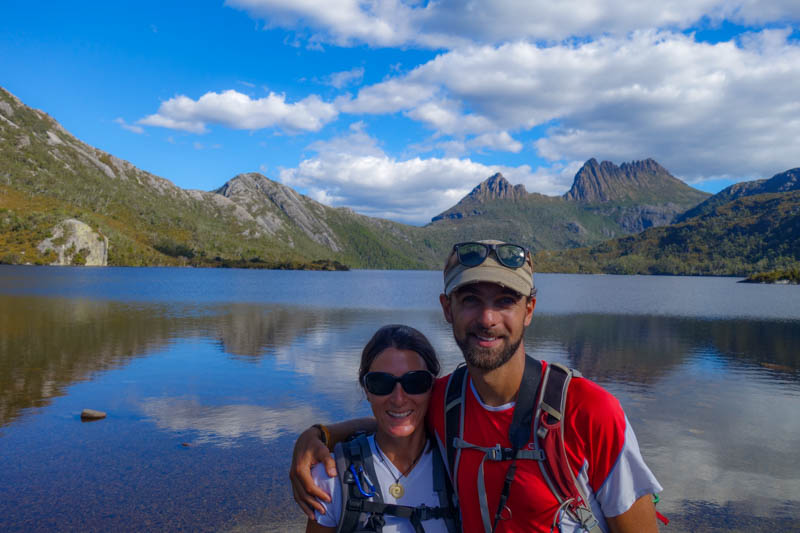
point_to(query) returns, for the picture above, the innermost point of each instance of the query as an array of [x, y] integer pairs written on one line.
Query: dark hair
[[402, 338]]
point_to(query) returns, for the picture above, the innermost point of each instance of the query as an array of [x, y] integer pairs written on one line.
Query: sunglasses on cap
[[414, 382], [472, 254]]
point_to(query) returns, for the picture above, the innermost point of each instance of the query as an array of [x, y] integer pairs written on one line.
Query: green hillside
[[47, 175], [750, 234]]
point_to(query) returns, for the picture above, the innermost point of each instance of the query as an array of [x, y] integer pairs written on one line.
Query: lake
[[207, 377]]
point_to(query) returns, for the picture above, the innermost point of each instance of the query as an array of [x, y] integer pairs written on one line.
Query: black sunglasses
[[414, 382], [472, 254]]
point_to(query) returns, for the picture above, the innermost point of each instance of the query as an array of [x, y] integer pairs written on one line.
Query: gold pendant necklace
[[396, 489]]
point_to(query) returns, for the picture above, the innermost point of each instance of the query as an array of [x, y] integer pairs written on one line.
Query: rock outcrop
[[76, 243]]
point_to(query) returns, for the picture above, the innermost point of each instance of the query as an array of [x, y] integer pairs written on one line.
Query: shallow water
[[208, 375]]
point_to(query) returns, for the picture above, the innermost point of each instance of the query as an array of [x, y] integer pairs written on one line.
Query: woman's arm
[[308, 451]]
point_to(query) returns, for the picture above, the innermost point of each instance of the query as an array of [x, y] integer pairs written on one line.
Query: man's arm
[[308, 451], [640, 518]]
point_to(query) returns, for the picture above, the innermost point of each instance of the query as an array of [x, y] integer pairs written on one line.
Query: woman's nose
[[398, 395]]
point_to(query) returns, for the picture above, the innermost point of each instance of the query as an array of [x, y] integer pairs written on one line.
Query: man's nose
[[488, 316]]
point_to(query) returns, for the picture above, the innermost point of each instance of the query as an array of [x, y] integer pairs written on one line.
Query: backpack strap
[[549, 429], [442, 487], [361, 492], [359, 483], [519, 435], [454, 420], [520, 431]]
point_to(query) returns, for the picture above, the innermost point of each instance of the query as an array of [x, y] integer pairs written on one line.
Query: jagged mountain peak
[[497, 187], [606, 182]]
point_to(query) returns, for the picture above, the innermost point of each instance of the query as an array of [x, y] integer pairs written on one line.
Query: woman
[[398, 465]]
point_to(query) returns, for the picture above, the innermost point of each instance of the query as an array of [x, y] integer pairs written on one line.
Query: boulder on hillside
[[76, 243]]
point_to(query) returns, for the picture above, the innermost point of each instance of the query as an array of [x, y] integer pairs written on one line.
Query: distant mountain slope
[[638, 181], [605, 201], [47, 175], [750, 234], [637, 195], [355, 239], [783, 182]]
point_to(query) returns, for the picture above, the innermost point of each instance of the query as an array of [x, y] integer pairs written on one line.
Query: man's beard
[[487, 358]]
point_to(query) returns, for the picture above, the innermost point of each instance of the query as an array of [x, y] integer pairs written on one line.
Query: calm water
[[208, 375]]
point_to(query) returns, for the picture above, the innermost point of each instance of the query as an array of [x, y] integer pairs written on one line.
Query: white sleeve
[[629, 480], [332, 486]]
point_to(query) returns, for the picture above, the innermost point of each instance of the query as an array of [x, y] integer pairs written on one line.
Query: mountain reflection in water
[[205, 399]]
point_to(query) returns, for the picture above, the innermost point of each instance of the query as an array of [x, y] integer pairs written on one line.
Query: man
[[489, 298]]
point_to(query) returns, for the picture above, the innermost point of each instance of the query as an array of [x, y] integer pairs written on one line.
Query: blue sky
[[398, 108]]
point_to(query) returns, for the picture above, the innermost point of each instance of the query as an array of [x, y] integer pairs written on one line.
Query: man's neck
[[500, 386]]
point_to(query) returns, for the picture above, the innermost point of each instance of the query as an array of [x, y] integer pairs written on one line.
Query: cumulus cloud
[[238, 111], [454, 23], [354, 171], [700, 109]]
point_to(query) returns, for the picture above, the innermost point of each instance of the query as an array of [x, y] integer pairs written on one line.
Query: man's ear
[[444, 300], [530, 304]]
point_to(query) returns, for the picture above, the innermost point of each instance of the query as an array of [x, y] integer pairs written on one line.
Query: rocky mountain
[[635, 181], [638, 195], [47, 176], [605, 201], [496, 187], [783, 182], [63, 201]]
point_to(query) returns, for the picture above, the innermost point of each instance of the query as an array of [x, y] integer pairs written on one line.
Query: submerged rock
[[91, 414]]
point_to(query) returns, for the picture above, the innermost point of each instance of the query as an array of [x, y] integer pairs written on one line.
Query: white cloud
[[454, 23], [130, 127], [388, 97], [700, 109], [499, 140], [347, 77], [343, 22], [235, 110], [353, 171]]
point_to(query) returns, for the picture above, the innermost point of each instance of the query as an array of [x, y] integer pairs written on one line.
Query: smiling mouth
[[486, 340], [399, 414]]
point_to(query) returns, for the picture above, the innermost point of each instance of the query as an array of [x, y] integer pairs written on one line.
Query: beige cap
[[491, 271]]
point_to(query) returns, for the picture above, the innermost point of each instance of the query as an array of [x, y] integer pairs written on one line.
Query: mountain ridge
[[48, 176]]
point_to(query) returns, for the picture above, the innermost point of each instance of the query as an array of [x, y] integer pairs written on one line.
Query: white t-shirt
[[418, 487]]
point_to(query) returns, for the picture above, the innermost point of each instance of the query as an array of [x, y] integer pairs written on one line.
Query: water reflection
[[713, 401], [224, 425], [642, 349], [48, 344]]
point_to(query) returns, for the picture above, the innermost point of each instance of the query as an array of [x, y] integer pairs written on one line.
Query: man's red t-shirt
[[601, 447]]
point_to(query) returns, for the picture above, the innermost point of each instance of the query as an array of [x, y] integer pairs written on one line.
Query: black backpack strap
[[520, 431], [442, 487], [357, 474], [454, 420]]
